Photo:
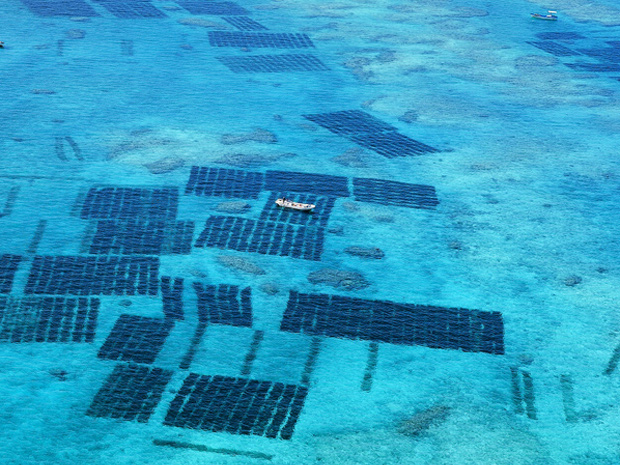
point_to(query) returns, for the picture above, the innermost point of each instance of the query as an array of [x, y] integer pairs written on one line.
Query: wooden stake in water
[[613, 361], [11, 198], [528, 396], [371, 365], [38, 235], [313, 354], [251, 355], [201, 448], [568, 398], [517, 395], [193, 347]]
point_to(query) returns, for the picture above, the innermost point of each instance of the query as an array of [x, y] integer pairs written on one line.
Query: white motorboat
[[550, 16], [303, 207]]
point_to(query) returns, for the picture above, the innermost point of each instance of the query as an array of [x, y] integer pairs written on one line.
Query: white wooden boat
[[286, 203], [551, 16]]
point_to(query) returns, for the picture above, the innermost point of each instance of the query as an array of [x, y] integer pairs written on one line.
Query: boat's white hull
[[302, 207]]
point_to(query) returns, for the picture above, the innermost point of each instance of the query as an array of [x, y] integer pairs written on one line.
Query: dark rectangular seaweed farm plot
[[131, 9], [224, 304], [273, 63], [320, 184], [394, 193], [559, 36], [131, 393], [392, 144], [384, 321], [554, 48], [350, 122], [8, 267], [172, 297], [223, 182], [244, 23], [107, 275], [240, 39], [264, 237], [60, 8], [317, 217], [201, 7], [127, 203], [606, 54], [142, 237], [594, 67], [237, 406], [371, 133], [48, 319], [136, 339]]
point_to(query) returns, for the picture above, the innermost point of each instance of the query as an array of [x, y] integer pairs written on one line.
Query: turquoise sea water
[[525, 171]]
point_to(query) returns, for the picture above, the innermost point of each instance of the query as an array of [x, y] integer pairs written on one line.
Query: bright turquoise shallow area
[[520, 118]]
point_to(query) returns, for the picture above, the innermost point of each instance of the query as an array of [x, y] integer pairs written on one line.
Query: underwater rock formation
[[384, 218], [137, 144], [329, 26], [251, 160], [352, 157], [258, 135], [200, 22], [534, 61], [59, 374], [591, 458], [240, 264], [423, 420], [351, 206], [141, 132], [386, 56], [75, 34], [268, 7], [234, 206], [403, 8], [469, 12], [572, 280], [337, 230], [270, 288], [197, 273], [455, 245], [473, 435], [373, 253], [165, 165], [374, 213], [340, 279], [409, 116], [357, 62], [356, 65]]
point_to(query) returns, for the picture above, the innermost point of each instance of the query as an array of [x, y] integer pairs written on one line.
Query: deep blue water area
[[451, 300]]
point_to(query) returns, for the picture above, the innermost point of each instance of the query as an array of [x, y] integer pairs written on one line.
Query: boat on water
[[550, 16], [303, 207]]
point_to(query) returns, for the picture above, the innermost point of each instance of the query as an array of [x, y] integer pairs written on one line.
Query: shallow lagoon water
[[526, 175]]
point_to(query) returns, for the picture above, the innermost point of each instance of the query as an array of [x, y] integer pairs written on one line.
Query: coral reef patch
[[240, 264], [340, 279]]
